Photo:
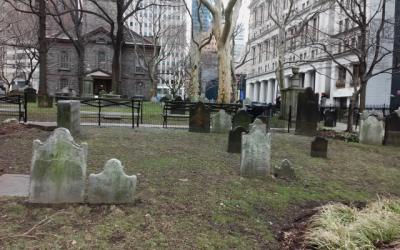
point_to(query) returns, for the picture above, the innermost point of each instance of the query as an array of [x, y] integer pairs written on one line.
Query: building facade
[[327, 29], [164, 23]]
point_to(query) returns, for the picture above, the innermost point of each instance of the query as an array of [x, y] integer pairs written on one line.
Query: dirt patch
[[16, 147]]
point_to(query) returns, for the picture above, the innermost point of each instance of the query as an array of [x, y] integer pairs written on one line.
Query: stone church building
[[62, 71]]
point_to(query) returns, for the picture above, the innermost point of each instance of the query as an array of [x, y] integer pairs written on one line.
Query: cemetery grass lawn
[[190, 194]]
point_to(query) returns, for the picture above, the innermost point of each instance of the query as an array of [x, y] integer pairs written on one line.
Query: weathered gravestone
[[235, 140], [372, 131], [58, 170], [199, 118], [242, 119], [330, 118], [112, 186], [319, 147], [68, 116], [246, 102], [266, 121], [221, 122], [256, 154], [30, 95], [258, 124], [392, 129], [307, 113], [284, 171]]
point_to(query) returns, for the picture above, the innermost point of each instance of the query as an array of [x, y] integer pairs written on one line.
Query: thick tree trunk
[[224, 73], [350, 116], [42, 49], [194, 87], [363, 93], [116, 69], [81, 69]]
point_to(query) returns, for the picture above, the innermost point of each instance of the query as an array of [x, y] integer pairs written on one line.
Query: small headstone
[[58, 170], [242, 119], [392, 129], [307, 113], [203, 99], [330, 118], [319, 147], [154, 99], [256, 154], [199, 118], [221, 122], [258, 124], [112, 186], [372, 131], [285, 171], [30, 95], [266, 121], [246, 102], [235, 140], [69, 117]]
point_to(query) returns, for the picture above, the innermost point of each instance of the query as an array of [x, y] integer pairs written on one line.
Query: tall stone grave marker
[[372, 131], [112, 186], [256, 154], [199, 119], [242, 119], [235, 140], [69, 117], [392, 129], [58, 170], [307, 113], [258, 124], [221, 122], [319, 147]]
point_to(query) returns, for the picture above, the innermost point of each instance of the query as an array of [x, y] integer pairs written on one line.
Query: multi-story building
[[323, 72], [164, 22], [201, 17]]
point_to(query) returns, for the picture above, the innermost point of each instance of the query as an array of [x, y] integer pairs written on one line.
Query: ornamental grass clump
[[338, 226]]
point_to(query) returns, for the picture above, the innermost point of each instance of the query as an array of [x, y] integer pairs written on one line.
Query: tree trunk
[[116, 69], [224, 73], [350, 116], [363, 93], [42, 49], [81, 70], [194, 87]]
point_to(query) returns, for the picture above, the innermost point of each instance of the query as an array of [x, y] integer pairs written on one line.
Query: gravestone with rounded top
[[392, 129], [256, 154], [319, 147], [284, 171], [372, 131], [242, 119], [199, 118], [58, 169], [221, 122], [307, 117], [235, 139], [330, 118], [69, 117], [112, 186]]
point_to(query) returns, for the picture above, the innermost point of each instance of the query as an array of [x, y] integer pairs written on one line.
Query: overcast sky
[[244, 16]]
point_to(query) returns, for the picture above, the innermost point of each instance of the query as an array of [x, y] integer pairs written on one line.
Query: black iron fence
[[13, 107]]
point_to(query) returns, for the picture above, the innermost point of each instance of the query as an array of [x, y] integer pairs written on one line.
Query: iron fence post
[[19, 107], [133, 112], [99, 114], [25, 108], [290, 118]]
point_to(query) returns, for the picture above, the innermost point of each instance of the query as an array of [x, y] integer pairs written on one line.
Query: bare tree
[[224, 21], [361, 47], [167, 39]]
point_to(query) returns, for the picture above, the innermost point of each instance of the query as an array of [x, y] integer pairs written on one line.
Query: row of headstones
[[58, 174], [376, 130]]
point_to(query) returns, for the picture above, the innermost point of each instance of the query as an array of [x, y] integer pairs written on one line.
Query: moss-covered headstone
[[112, 186], [58, 170]]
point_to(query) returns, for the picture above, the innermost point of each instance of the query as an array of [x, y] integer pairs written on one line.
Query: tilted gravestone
[[307, 113], [330, 118], [319, 147], [242, 119], [392, 129], [221, 122], [235, 140], [58, 170], [256, 154], [258, 124], [199, 118], [69, 117], [266, 121], [284, 171], [112, 186], [372, 131]]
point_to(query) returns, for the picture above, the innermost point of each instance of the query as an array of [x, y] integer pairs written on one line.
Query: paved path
[[14, 185]]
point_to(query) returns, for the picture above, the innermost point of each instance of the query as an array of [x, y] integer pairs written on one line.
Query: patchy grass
[[341, 227], [190, 194]]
